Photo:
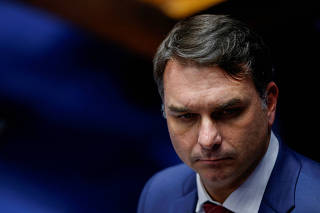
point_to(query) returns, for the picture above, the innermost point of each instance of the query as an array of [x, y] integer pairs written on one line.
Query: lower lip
[[214, 162]]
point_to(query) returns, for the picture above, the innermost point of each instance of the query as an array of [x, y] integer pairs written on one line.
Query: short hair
[[216, 40]]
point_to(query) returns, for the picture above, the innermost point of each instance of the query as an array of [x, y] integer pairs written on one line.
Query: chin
[[215, 177]]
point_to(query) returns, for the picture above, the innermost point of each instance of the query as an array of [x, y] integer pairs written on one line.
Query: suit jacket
[[294, 186]]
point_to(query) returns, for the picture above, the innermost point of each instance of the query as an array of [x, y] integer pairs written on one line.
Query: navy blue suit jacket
[[294, 186]]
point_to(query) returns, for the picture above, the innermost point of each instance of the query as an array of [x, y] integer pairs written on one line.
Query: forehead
[[189, 85]]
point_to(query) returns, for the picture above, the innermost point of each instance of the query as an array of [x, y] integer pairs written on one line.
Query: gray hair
[[216, 40]]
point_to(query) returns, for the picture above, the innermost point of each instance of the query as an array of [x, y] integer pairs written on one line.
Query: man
[[215, 79]]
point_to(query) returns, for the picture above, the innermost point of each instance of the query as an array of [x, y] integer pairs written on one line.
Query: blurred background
[[80, 121]]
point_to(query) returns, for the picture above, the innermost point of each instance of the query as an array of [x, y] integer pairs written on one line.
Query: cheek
[[182, 141], [249, 137], [247, 134]]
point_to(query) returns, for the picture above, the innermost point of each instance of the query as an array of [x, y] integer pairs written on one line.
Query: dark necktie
[[213, 208]]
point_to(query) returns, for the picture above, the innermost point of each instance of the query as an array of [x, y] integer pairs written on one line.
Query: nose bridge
[[208, 133]]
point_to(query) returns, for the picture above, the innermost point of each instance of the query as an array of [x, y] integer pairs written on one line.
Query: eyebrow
[[177, 109], [230, 103]]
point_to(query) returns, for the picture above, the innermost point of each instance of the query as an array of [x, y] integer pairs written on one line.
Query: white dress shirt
[[247, 198]]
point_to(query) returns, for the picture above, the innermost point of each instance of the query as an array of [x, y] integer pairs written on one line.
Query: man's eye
[[228, 113], [187, 116]]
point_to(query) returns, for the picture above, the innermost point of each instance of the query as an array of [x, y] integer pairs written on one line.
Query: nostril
[[216, 146]]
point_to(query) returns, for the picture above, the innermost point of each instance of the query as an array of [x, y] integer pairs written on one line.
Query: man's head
[[218, 98]]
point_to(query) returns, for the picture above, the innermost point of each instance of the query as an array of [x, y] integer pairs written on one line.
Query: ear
[[272, 93]]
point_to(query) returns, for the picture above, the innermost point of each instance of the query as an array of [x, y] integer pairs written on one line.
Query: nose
[[209, 137]]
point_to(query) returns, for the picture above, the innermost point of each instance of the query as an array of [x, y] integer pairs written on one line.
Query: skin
[[219, 126]]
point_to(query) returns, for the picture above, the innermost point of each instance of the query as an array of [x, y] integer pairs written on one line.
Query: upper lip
[[213, 159]]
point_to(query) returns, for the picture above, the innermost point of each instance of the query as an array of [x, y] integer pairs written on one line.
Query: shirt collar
[[248, 196]]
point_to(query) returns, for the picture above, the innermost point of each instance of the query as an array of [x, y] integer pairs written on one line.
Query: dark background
[[80, 121]]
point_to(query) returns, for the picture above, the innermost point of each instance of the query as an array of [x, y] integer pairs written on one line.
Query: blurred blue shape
[[42, 69], [73, 141]]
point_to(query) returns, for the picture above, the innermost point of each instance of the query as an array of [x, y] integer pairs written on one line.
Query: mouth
[[214, 161]]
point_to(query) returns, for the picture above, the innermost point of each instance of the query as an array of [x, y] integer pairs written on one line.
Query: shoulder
[[309, 175], [166, 186], [308, 184], [294, 183], [172, 176]]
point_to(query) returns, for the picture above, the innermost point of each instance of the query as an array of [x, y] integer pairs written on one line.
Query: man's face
[[219, 126]]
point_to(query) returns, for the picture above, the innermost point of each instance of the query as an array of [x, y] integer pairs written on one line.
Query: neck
[[220, 192]]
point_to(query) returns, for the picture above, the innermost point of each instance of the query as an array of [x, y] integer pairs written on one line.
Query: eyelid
[[232, 111], [185, 116]]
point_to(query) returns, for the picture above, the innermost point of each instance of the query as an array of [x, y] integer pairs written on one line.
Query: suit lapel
[[280, 191], [187, 202]]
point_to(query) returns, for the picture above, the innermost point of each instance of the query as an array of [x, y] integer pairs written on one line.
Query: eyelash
[[187, 116], [227, 113]]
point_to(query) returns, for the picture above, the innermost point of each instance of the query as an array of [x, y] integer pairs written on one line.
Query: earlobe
[[272, 93]]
